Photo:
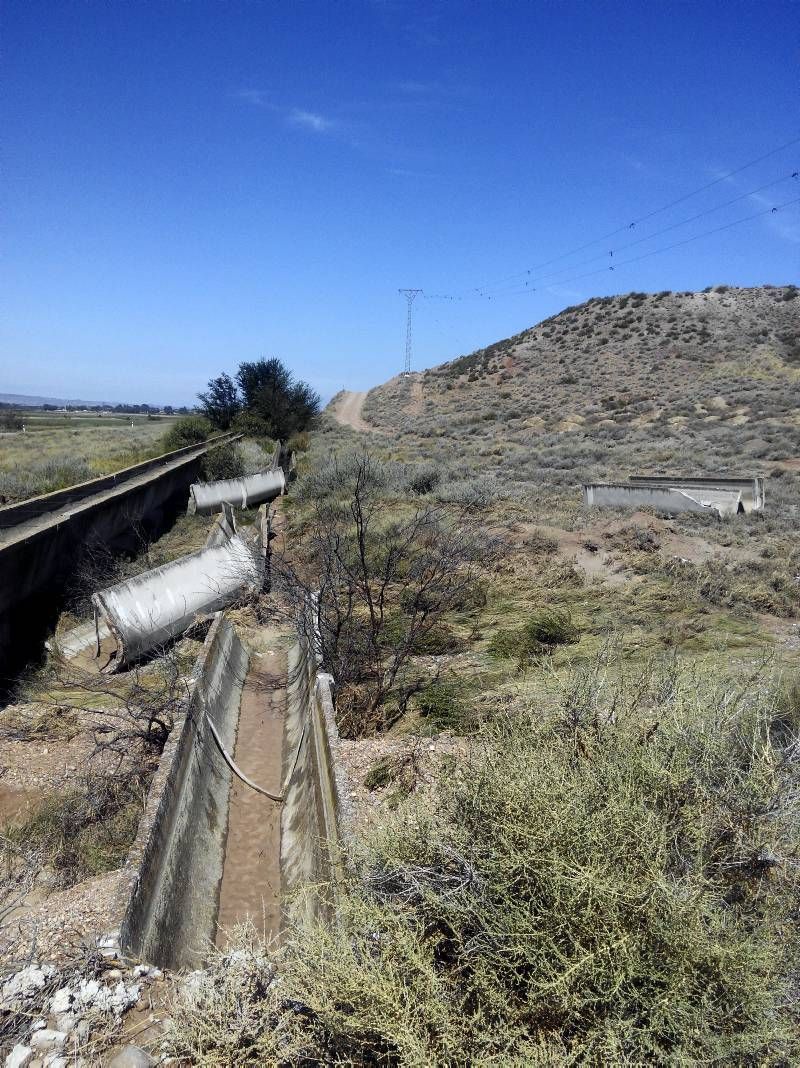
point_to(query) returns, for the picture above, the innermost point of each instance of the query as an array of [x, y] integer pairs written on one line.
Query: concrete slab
[[663, 498]]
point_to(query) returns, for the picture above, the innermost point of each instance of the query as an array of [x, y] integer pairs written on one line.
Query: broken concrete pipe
[[208, 497], [148, 610]]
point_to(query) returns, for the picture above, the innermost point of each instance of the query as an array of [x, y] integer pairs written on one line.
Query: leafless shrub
[[383, 577]]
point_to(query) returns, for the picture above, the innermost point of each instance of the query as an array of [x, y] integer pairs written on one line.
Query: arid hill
[[678, 381]]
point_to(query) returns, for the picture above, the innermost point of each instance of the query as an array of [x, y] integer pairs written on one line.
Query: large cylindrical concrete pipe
[[208, 497], [148, 610]]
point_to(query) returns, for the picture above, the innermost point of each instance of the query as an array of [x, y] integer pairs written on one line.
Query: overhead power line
[[666, 248], [611, 253], [478, 290]]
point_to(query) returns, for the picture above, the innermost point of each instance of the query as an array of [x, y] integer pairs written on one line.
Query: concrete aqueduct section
[[42, 540], [200, 853], [715, 495], [169, 905]]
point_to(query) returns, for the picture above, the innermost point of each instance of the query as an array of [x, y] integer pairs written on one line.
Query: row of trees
[[263, 398]]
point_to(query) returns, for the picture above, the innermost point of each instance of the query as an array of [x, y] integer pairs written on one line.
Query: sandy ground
[[347, 410], [591, 548], [251, 878]]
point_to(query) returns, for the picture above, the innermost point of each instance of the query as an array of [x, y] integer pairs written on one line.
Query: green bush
[[10, 420], [536, 638], [252, 425], [442, 707], [609, 882], [382, 773], [226, 461], [187, 431]]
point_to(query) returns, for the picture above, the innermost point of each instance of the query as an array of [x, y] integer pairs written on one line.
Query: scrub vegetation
[[55, 452], [577, 733], [659, 381], [609, 880], [603, 867]]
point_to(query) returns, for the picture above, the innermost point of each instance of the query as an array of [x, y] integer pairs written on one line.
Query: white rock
[[37, 1025], [19, 1056], [66, 1022], [26, 982], [61, 1001], [106, 998], [141, 970], [48, 1039], [109, 944], [87, 991], [55, 1060]]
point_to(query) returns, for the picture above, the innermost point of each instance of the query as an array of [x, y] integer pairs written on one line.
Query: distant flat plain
[[58, 449]]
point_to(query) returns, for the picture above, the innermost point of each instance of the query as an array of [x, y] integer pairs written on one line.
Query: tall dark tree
[[270, 392], [220, 402]]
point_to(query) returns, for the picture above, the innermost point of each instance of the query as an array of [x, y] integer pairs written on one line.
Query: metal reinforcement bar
[[12, 515]]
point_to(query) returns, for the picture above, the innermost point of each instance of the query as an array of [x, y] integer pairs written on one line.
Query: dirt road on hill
[[346, 409]]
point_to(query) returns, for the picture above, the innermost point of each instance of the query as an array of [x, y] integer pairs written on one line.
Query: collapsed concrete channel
[[244, 807], [243, 811], [715, 495]]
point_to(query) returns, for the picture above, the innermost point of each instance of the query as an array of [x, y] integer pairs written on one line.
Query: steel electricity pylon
[[409, 294]]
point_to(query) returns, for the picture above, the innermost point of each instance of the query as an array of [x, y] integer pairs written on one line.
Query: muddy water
[[251, 878]]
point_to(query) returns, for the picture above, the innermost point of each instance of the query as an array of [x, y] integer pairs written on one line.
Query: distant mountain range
[[26, 401]]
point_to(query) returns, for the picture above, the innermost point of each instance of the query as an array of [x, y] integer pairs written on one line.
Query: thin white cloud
[[783, 222], [417, 88], [405, 172], [310, 120], [564, 292]]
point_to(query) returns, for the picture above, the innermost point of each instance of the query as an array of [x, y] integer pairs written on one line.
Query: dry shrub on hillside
[[602, 388], [384, 574], [613, 881]]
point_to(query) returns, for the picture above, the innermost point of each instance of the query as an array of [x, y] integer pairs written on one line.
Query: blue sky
[[188, 184]]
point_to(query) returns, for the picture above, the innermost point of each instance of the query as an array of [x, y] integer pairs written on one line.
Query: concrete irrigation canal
[[241, 809], [41, 540]]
